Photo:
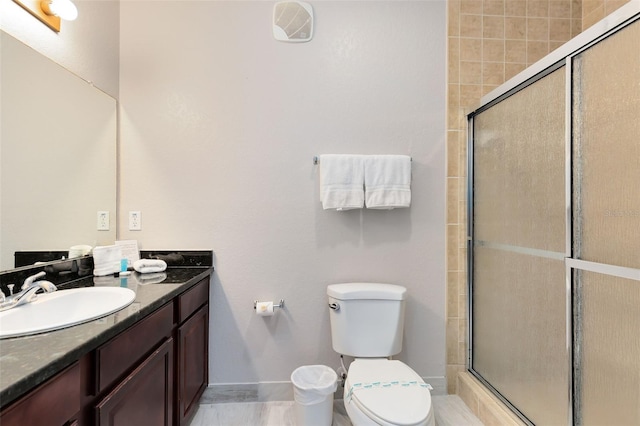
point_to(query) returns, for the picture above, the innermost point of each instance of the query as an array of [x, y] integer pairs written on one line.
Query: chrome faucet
[[31, 279], [28, 292]]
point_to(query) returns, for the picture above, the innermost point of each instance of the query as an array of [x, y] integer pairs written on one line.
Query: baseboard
[[279, 391], [438, 383], [248, 392]]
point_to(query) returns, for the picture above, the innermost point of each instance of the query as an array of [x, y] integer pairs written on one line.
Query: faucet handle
[[29, 280], [47, 286], [29, 295], [11, 286]]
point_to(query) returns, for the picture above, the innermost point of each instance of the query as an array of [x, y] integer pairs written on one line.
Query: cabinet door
[[192, 375], [144, 397]]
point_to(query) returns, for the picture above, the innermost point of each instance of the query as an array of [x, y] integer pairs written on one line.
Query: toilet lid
[[388, 390]]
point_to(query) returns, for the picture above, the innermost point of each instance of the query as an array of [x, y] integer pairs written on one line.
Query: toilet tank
[[367, 319]]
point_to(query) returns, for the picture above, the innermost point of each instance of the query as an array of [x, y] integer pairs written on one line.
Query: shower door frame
[[565, 62], [562, 57]]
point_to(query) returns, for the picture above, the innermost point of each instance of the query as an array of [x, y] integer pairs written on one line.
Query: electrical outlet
[[135, 221], [103, 221]]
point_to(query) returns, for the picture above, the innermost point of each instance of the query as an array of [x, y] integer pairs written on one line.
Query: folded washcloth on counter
[[106, 260], [145, 266]]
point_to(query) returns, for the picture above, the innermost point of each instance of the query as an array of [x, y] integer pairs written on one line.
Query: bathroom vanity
[[145, 364]]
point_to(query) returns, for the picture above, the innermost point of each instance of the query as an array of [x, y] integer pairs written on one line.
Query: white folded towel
[[145, 266], [106, 260], [341, 181], [387, 181]]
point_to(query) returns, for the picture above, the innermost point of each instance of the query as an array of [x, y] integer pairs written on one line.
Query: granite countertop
[[25, 362]]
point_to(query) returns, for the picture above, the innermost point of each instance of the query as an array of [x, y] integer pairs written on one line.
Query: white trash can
[[313, 388]]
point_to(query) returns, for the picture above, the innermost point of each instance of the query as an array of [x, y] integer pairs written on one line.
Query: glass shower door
[[555, 232], [606, 175], [519, 281]]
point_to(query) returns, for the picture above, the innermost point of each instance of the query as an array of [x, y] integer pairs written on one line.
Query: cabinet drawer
[[124, 351], [192, 299], [53, 403]]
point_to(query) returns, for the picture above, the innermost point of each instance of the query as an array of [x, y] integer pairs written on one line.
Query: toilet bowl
[[386, 392]]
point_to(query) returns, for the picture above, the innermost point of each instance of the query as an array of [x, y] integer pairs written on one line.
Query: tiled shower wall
[[595, 10], [490, 41]]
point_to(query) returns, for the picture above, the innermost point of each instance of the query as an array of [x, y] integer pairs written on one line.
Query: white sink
[[63, 308]]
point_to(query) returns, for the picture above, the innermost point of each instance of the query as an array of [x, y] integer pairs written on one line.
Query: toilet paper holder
[[279, 305]]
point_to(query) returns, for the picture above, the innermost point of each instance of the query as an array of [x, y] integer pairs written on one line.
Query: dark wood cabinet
[[54, 403], [192, 341], [192, 371], [122, 353], [152, 373], [144, 397]]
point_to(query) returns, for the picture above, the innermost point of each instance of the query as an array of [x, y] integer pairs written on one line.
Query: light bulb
[[65, 9]]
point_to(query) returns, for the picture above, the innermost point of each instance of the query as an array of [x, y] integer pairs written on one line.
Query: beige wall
[[88, 46], [219, 126], [595, 10]]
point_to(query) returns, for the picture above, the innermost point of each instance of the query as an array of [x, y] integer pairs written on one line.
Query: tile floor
[[449, 411]]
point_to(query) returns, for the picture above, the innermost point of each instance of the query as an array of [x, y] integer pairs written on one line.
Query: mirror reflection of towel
[[152, 278], [106, 260]]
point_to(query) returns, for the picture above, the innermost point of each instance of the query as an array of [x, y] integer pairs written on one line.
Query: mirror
[[57, 156]]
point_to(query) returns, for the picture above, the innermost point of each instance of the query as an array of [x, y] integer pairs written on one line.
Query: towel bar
[[316, 160]]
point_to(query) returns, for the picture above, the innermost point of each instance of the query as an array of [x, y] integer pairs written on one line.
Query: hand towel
[[341, 181], [106, 260], [145, 266], [387, 181]]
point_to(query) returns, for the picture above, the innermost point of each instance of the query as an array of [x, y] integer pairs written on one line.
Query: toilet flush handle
[[334, 306]]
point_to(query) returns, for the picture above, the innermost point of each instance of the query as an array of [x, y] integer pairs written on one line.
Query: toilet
[[367, 320]]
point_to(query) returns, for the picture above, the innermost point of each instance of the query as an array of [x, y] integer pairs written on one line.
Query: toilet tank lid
[[368, 291]]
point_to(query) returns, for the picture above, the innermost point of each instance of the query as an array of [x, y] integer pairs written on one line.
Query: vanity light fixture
[[50, 12]]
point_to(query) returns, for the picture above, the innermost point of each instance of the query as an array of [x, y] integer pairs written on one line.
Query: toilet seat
[[388, 392]]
